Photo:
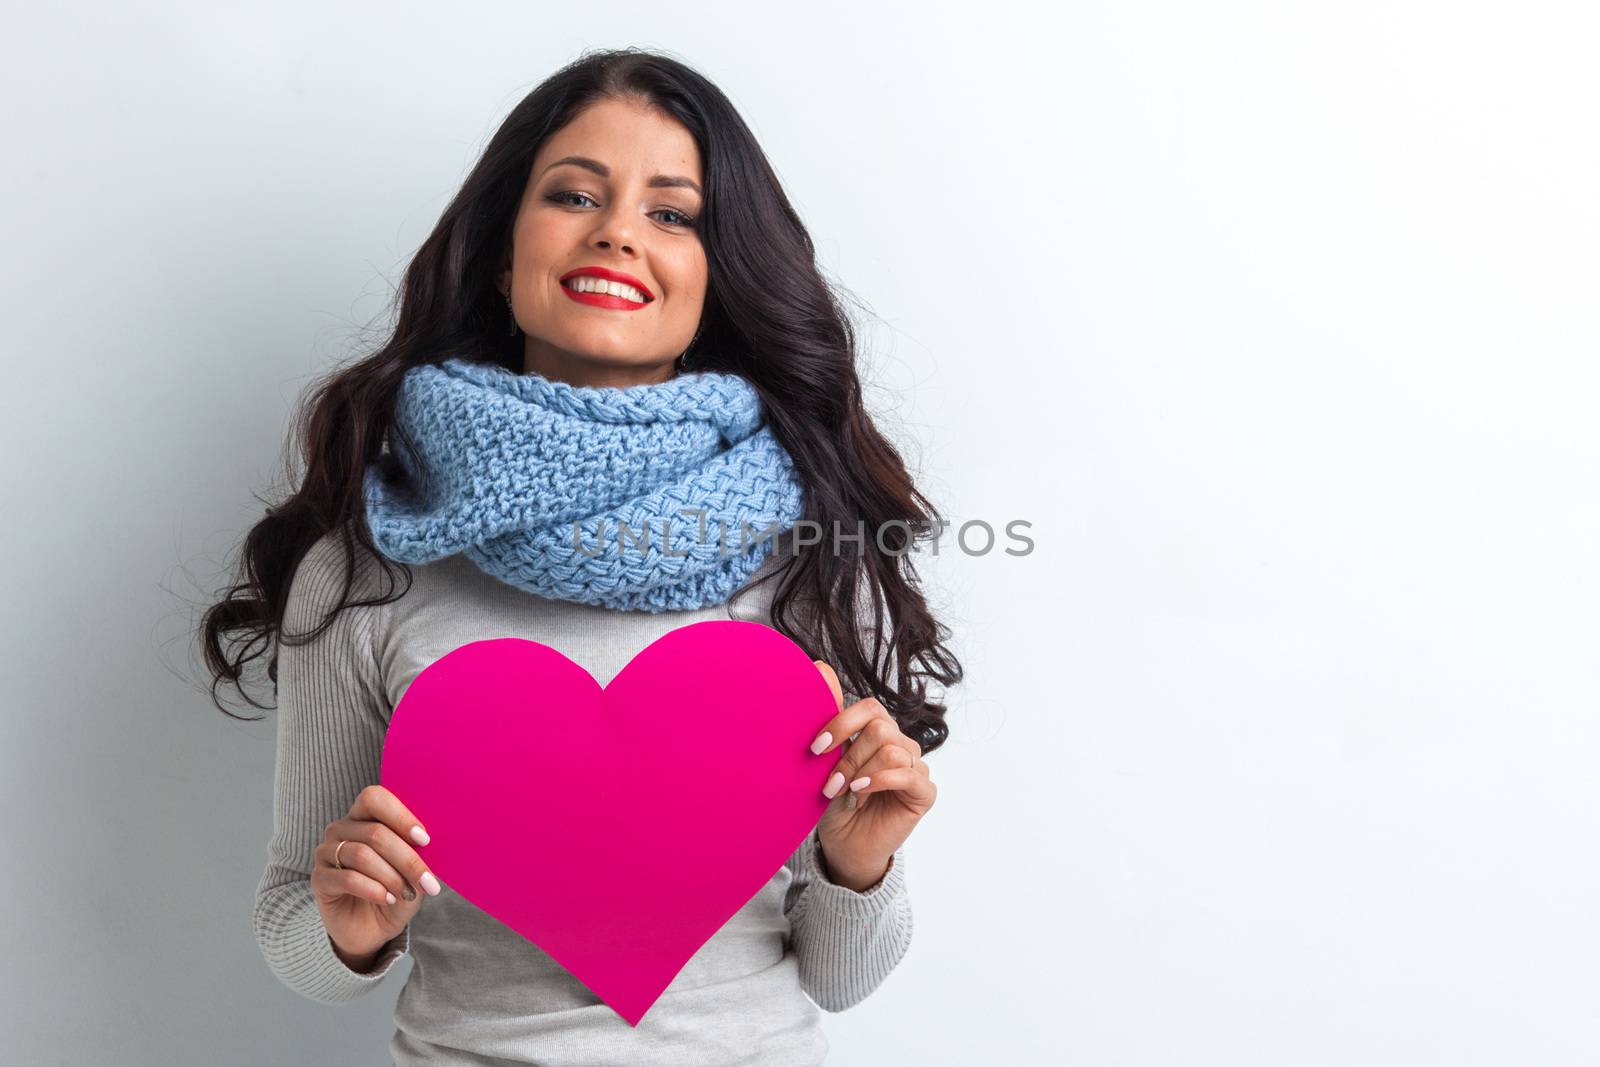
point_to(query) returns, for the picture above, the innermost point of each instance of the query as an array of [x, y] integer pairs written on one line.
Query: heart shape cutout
[[617, 828]]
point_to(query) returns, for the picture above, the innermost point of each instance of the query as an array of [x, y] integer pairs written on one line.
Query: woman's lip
[[603, 300], [606, 274]]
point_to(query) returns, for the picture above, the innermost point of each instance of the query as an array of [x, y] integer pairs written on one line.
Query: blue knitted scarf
[[661, 497]]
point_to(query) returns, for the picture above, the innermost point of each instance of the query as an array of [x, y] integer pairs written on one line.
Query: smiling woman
[[618, 320], [606, 275]]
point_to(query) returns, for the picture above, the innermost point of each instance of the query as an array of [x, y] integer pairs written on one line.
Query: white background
[[1277, 321]]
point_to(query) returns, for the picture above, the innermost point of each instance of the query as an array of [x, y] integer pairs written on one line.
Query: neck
[[559, 366]]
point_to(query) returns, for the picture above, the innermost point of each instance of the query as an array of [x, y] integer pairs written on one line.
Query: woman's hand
[[369, 898], [880, 789]]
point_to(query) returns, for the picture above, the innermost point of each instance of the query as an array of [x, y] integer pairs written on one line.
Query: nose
[[615, 229]]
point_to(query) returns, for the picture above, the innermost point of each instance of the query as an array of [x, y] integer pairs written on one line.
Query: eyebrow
[[659, 181]]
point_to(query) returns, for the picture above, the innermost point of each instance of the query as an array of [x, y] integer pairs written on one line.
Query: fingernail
[[390, 896], [408, 892], [430, 883], [419, 835], [850, 802], [859, 783], [835, 784], [822, 742]]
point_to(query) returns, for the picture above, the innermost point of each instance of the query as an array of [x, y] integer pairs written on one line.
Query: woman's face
[[629, 211]]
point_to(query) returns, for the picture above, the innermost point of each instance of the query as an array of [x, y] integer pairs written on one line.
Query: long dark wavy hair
[[769, 316]]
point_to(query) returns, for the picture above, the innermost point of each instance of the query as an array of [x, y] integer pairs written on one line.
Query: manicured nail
[[835, 784], [408, 892], [390, 896], [419, 835], [859, 783], [430, 883], [850, 802], [823, 740]]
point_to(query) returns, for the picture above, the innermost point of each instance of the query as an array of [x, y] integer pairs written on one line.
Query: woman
[[620, 311]]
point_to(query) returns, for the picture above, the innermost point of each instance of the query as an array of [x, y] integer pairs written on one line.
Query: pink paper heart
[[619, 828]]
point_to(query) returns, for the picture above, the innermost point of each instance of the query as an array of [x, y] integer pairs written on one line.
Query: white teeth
[[588, 283]]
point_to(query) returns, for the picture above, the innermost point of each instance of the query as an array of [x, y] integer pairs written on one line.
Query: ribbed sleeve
[[847, 942], [329, 747]]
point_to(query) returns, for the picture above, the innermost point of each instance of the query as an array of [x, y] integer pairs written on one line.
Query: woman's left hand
[[891, 791]]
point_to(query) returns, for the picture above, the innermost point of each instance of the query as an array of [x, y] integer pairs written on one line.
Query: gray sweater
[[478, 992]]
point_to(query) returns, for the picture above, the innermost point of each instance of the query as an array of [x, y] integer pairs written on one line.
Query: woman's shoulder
[[322, 574]]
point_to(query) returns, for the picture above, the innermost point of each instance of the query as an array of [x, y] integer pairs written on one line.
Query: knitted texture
[[534, 480]]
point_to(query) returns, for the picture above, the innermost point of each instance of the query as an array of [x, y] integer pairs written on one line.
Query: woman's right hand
[[368, 902]]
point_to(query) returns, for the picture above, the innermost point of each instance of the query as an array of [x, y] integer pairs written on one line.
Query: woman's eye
[[678, 219], [682, 219]]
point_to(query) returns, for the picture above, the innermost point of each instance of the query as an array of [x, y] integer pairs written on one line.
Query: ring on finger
[[337, 865]]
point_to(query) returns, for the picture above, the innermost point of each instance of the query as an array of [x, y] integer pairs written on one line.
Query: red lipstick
[[606, 300]]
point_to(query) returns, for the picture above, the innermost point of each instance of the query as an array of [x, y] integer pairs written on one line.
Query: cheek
[[537, 245], [547, 237], [687, 279]]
